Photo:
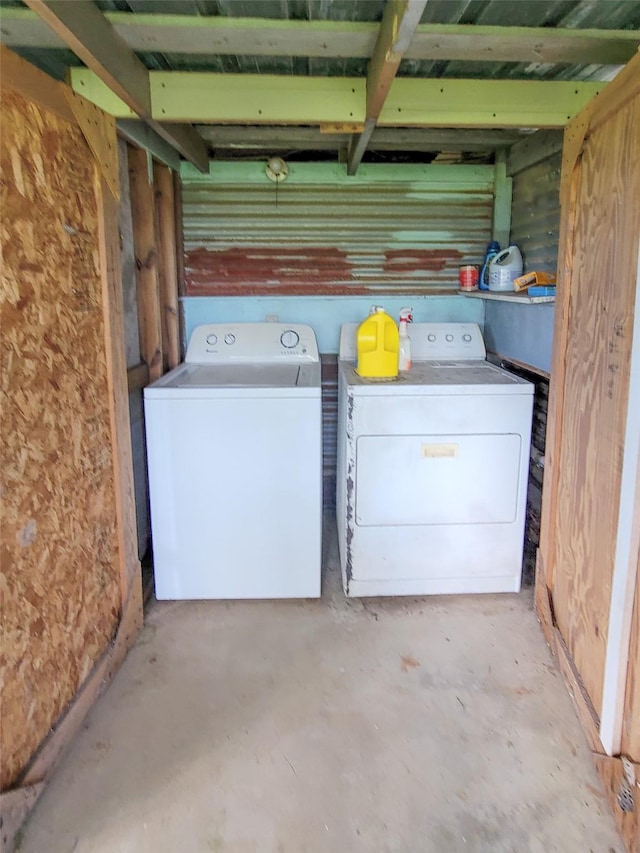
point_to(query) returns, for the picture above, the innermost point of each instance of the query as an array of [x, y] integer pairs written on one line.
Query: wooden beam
[[485, 103], [144, 243], [86, 31], [191, 34], [167, 271], [399, 22], [271, 99], [358, 146], [138, 133], [224, 137]]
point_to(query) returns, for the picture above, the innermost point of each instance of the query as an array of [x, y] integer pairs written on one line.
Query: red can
[[469, 276]]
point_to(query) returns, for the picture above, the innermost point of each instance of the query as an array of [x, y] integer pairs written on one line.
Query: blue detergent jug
[[492, 250]]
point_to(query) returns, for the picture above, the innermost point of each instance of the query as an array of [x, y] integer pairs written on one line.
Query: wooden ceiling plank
[[399, 22], [86, 31], [192, 34], [477, 43]]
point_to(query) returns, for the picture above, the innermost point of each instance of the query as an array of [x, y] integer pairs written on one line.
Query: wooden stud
[[193, 34], [167, 272], [144, 241]]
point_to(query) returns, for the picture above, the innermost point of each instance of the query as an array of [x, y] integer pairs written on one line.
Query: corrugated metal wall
[[402, 228], [535, 216]]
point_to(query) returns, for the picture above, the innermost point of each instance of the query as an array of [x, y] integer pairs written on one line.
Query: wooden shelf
[[520, 298]]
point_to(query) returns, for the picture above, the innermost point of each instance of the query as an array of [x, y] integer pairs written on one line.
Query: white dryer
[[432, 469], [234, 449]]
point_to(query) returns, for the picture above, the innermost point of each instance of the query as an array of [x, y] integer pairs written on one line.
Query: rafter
[[195, 34], [92, 38], [399, 23]]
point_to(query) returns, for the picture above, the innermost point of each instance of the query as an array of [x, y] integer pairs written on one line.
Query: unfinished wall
[[61, 585], [321, 232], [525, 333]]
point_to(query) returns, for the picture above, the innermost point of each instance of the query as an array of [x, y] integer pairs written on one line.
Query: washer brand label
[[439, 451]]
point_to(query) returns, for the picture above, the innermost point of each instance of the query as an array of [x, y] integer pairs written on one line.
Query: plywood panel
[[596, 376], [60, 552]]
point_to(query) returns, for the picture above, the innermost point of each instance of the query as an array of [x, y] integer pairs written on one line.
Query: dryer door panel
[[437, 479]]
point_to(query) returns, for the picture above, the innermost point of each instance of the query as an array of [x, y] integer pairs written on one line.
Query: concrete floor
[[388, 726]]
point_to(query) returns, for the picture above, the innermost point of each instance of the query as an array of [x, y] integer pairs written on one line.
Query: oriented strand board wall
[[596, 381], [60, 585]]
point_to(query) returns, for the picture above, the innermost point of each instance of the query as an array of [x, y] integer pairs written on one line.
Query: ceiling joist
[[85, 30], [227, 36], [224, 137], [399, 22], [271, 99]]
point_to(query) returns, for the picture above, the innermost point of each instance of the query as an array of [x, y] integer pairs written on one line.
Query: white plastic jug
[[506, 266]]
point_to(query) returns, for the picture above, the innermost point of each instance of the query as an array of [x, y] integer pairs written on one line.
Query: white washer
[[432, 469], [234, 447]]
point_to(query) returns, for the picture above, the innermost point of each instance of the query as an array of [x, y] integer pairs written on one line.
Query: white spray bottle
[[404, 352]]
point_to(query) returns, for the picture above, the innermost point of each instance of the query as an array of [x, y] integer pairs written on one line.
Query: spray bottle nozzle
[[406, 315]]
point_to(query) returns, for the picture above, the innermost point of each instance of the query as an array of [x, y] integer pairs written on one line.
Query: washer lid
[[239, 376], [237, 379]]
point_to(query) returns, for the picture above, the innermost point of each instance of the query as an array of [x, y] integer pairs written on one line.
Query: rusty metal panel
[[535, 215], [251, 237]]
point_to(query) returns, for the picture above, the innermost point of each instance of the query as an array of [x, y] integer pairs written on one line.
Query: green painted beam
[[240, 98], [503, 190], [91, 87], [484, 103], [442, 177], [270, 99], [197, 34]]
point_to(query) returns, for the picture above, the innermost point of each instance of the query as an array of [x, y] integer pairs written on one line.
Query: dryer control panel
[[429, 341], [228, 343]]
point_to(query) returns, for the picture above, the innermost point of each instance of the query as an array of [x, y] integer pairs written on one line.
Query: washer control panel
[[217, 343]]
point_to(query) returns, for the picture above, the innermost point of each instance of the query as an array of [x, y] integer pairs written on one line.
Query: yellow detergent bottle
[[377, 345]]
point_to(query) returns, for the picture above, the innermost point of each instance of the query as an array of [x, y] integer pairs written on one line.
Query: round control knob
[[229, 339], [431, 337], [448, 338], [466, 338], [212, 340], [289, 339]]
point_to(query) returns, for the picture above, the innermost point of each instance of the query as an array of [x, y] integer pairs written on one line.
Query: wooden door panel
[[596, 378]]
